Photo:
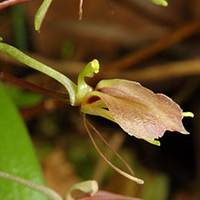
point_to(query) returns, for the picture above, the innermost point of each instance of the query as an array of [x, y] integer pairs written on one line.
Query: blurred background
[[132, 39]]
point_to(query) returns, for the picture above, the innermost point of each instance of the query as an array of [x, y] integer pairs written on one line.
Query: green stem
[[21, 57], [40, 188]]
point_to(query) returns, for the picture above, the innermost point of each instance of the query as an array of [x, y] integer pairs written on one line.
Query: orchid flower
[[136, 109]]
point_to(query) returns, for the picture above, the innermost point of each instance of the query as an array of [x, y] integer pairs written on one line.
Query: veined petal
[[138, 110]]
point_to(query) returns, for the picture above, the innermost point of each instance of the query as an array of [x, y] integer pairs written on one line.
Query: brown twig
[[163, 72], [143, 54], [8, 3], [33, 87], [34, 111]]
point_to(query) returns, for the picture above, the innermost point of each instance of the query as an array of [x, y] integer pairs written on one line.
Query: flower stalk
[[27, 60]]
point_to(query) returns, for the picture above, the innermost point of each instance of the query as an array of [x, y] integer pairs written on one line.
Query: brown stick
[[142, 55], [34, 111], [163, 72], [33, 87], [8, 3]]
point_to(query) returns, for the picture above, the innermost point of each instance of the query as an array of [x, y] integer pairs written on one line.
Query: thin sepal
[[113, 150], [123, 173]]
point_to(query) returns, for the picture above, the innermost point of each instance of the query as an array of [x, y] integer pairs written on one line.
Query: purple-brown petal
[[139, 111]]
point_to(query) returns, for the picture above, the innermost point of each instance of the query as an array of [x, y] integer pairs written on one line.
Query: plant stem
[[21, 57], [40, 188]]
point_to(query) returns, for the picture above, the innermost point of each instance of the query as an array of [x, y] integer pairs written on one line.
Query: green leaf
[[157, 186], [22, 98], [39, 17], [160, 2], [17, 156]]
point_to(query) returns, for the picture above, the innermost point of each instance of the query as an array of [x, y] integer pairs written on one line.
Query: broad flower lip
[[138, 110]]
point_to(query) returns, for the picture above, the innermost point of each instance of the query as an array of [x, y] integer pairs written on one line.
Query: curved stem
[[40, 188], [21, 57]]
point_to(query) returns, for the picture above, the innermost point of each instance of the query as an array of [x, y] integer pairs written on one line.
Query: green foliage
[[39, 17], [160, 2], [83, 157], [157, 186], [68, 49], [19, 27], [16, 153], [23, 99]]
